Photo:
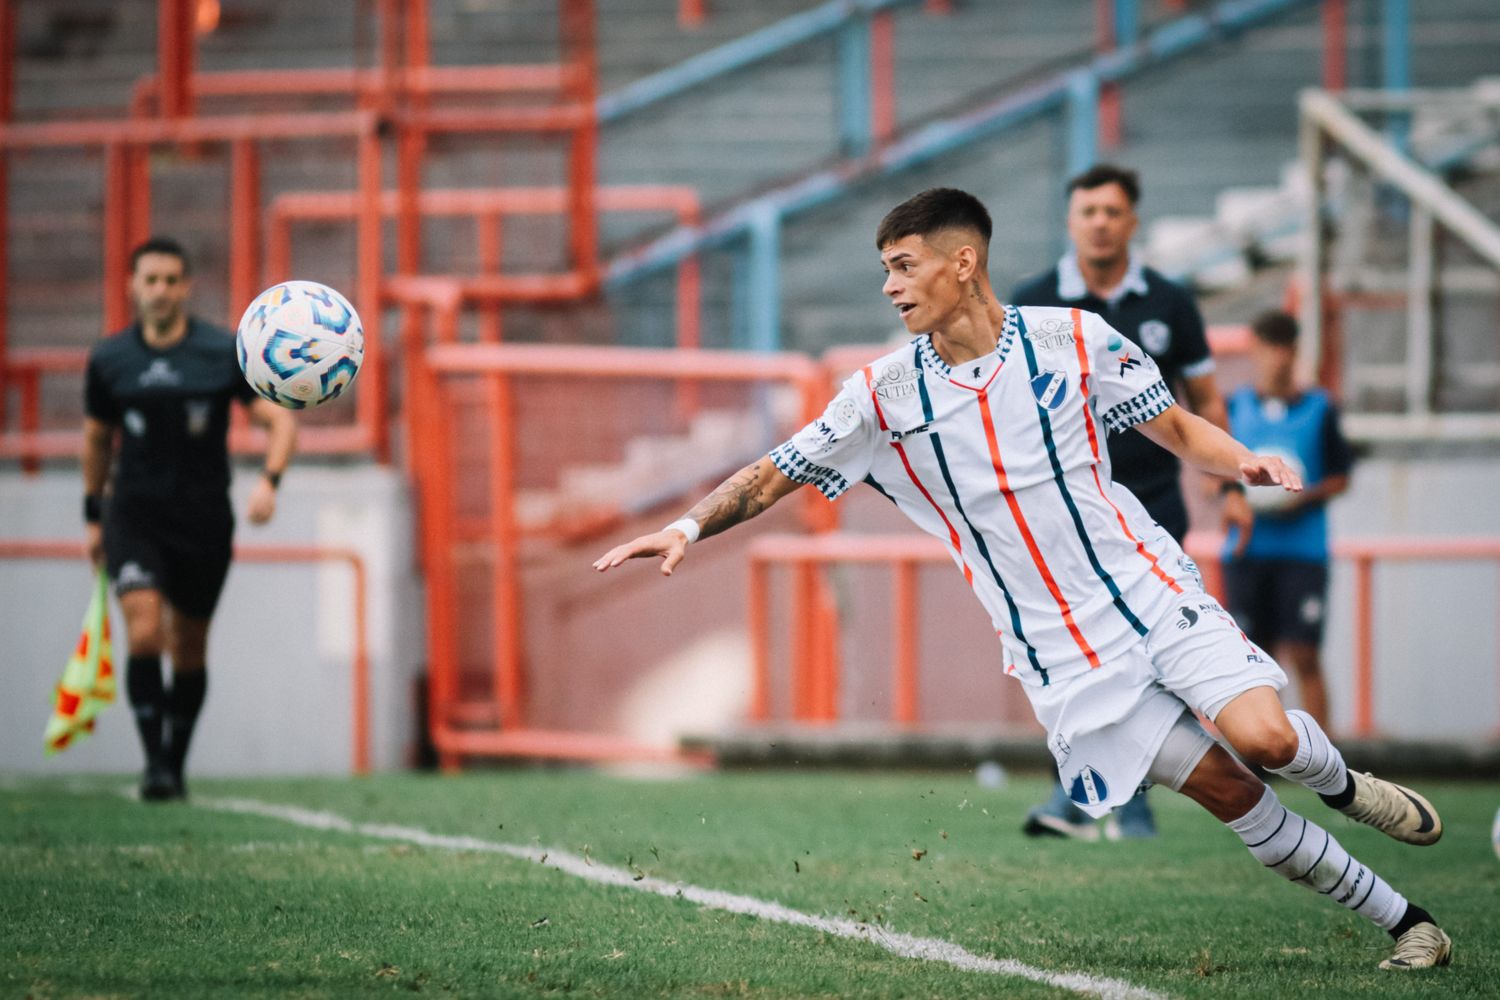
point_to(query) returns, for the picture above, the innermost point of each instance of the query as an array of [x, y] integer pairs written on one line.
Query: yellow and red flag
[[88, 682]]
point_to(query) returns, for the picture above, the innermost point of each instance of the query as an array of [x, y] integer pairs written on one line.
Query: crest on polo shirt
[[1155, 336]]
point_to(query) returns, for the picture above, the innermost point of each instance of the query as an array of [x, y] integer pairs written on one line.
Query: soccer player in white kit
[[987, 430]]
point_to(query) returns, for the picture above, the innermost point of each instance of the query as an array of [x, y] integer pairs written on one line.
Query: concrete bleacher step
[[653, 469]]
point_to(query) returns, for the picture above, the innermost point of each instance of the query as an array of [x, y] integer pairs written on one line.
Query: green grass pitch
[[102, 896]]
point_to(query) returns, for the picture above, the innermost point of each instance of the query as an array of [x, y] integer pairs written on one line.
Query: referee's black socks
[[147, 696], [183, 704]]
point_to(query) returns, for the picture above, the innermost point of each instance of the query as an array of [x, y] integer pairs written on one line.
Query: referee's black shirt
[[173, 408], [1163, 319]]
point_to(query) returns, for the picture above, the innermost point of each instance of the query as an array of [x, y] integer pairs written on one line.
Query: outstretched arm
[[739, 498], [281, 440], [1203, 446]]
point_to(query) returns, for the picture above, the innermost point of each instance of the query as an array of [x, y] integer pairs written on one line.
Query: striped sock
[[1317, 765], [1303, 852]]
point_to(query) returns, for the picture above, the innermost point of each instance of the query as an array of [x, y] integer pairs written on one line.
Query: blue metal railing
[[1074, 92], [849, 20]]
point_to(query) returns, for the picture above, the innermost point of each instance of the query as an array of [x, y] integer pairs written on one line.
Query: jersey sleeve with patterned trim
[[835, 450], [1126, 381]]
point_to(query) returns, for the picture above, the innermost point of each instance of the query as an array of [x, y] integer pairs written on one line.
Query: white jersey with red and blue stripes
[[1003, 459]]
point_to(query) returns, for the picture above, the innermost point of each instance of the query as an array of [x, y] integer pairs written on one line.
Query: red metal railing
[[399, 95], [489, 207], [816, 684], [428, 409], [359, 678]]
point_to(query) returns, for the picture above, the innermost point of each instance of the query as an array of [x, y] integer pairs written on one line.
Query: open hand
[[262, 503], [669, 543], [1268, 470]]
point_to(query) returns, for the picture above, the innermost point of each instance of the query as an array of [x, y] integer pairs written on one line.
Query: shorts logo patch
[[132, 574], [1050, 389], [1312, 611], [1189, 618], [1089, 788]]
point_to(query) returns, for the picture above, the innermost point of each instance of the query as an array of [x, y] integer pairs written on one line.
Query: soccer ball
[[300, 344]]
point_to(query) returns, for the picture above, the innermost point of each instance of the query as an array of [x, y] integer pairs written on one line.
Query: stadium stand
[[517, 460]]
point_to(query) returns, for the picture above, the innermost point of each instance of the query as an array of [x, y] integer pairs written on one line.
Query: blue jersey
[[1303, 431]]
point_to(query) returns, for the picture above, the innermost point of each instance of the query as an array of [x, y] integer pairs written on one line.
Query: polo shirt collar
[[1070, 284]]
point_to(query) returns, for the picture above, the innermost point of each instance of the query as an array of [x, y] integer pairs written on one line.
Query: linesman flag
[[88, 681]]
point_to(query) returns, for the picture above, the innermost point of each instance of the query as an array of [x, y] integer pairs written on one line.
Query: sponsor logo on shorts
[[1254, 658], [1189, 618], [1312, 610], [1061, 748], [132, 574], [1089, 788]]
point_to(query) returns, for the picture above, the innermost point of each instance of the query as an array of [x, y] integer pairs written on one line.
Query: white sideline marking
[[904, 945]]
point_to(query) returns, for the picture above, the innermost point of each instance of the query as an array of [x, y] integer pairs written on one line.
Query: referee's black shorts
[[181, 549], [1278, 600]]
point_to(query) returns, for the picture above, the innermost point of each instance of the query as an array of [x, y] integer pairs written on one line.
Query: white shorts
[[1106, 727]]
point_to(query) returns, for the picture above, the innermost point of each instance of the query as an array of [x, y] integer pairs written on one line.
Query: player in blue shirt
[[1276, 568]]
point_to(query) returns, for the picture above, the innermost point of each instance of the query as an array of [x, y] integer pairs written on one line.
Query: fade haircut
[[934, 211], [1275, 327], [1101, 174], [163, 245]]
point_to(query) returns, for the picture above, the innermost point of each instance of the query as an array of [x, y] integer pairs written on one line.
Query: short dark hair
[[933, 211], [1101, 174], [1275, 327], [161, 244]]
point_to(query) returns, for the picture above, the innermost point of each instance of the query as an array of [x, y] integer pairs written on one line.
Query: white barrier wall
[[281, 649], [280, 653], [1437, 625]]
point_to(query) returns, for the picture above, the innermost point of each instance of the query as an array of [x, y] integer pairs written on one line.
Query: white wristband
[[687, 526]]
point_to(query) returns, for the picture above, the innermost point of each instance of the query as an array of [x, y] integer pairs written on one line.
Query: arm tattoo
[[737, 499]]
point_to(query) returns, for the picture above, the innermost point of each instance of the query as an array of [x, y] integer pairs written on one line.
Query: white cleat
[[1394, 810], [1422, 947]]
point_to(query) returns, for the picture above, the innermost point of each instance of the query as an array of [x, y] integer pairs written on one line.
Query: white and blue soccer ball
[[300, 344]]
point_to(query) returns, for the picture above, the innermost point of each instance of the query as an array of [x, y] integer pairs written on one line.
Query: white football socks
[[1303, 852], [1317, 765]]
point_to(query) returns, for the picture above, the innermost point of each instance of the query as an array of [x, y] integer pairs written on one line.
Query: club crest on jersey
[[198, 412], [896, 382], [1049, 388], [1089, 788], [1127, 363]]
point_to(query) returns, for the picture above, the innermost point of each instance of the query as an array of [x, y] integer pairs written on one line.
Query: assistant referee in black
[[156, 508]]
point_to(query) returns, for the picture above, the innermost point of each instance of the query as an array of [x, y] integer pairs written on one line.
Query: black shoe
[[158, 784]]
